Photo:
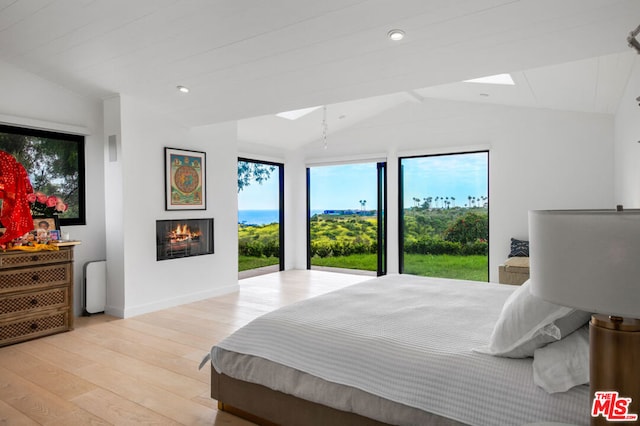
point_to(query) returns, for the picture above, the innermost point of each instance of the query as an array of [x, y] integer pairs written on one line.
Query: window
[[444, 207], [55, 164]]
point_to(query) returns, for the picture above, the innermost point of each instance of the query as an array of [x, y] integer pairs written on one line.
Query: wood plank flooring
[[142, 370]]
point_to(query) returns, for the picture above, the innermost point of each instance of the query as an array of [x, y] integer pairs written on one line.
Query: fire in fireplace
[[183, 238]]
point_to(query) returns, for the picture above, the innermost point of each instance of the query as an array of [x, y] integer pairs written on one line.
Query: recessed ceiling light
[[494, 79], [297, 113], [183, 89], [396, 35]]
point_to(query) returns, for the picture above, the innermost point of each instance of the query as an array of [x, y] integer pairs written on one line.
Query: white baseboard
[[133, 311]]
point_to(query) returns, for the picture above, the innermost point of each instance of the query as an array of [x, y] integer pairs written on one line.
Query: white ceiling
[[590, 85], [250, 58]]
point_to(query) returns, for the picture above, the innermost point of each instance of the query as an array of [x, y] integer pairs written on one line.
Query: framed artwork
[[185, 179]]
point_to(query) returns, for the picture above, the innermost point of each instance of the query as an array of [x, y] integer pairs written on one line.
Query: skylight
[[493, 79], [297, 113]]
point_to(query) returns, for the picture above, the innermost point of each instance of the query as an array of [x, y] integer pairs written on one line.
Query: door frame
[[280, 168], [381, 206]]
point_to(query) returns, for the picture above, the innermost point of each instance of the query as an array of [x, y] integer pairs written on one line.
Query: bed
[[397, 349]]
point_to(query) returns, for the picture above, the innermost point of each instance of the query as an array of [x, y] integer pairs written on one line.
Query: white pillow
[[527, 323], [562, 365]]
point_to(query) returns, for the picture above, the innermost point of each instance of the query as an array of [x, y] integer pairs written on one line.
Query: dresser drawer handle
[[34, 301], [34, 326], [35, 258], [35, 277]]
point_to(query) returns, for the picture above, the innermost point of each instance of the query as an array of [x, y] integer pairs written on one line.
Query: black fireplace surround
[[183, 238]]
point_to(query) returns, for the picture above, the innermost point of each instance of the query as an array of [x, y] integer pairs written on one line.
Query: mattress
[[405, 339]]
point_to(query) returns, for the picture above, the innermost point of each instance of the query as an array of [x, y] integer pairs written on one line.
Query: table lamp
[[590, 260]]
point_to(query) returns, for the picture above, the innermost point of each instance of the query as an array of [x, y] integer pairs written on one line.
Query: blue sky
[[343, 186], [258, 196], [458, 176]]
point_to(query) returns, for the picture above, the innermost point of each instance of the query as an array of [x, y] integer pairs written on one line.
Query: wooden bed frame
[[268, 407]]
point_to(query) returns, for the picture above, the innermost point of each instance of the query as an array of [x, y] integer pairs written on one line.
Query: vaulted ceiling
[[250, 58]]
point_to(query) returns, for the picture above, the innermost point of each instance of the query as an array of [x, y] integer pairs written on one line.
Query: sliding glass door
[[260, 216], [444, 209], [346, 225]]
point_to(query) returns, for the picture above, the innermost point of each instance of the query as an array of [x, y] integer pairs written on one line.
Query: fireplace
[[183, 238]]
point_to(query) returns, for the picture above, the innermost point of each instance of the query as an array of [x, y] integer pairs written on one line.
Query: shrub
[[469, 228], [427, 245], [320, 249], [476, 248], [253, 248]]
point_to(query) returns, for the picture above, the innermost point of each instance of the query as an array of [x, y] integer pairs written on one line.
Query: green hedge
[[259, 248], [437, 246], [341, 248]]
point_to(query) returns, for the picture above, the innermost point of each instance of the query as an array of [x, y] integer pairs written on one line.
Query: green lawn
[[461, 267], [249, 262], [367, 262], [473, 268]]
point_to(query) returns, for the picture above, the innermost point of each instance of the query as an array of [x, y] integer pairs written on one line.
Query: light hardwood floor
[[141, 370]]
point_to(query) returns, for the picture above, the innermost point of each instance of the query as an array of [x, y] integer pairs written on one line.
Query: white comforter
[[410, 339]]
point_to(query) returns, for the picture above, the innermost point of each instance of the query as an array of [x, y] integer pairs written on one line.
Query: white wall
[[114, 217], [627, 143], [145, 283], [539, 159], [28, 100]]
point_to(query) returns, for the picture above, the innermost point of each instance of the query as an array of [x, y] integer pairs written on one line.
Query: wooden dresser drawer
[[34, 278], [35, 326], [19, 259], [34, 301]]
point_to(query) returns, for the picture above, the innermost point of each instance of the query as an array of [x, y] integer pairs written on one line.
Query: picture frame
[[43, 225], [185, 179], [54, 235]]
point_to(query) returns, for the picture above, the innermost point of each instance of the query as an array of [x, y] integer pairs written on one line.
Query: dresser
[[36, 294]]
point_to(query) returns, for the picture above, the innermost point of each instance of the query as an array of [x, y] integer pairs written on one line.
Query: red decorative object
[[14, 188]]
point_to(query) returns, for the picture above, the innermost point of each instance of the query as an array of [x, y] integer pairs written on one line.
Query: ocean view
[[261, 217]]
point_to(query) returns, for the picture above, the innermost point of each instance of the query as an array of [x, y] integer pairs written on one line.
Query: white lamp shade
[[587, 259]]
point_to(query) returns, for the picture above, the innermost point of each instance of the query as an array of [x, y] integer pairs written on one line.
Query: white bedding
[[409, 339]]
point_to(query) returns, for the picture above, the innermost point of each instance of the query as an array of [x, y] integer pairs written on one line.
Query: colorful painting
[[185, 179]]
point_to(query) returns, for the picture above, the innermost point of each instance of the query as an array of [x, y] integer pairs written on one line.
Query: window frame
[[401, 233], [79, 140]]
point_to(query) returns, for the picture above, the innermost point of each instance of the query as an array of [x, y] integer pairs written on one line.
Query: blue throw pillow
[[519, 248]]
